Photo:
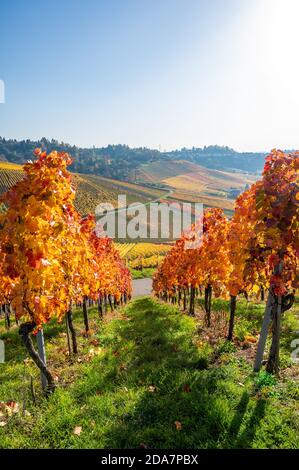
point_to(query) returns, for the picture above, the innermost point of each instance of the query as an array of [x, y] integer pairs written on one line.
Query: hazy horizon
[[135, 147]]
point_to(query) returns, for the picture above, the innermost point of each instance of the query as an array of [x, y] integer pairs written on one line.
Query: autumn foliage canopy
[[240, 255], [49, 256]]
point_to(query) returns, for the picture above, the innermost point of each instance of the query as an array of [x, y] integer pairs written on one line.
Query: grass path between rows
[[152, 383]]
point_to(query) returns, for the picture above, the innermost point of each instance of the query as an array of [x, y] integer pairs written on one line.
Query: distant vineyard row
[[88, 195], [90, 190], [143, 255]]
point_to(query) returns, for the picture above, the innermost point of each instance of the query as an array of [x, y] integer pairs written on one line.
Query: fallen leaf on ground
[[77, 431], [91, 352], [11, 407], [94, 352], [178, 425], [250, 339]]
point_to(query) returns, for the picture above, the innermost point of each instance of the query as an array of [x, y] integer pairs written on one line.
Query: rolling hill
[[91, 190], [171, 180], [191, 182], [212, 175], [176, 170]]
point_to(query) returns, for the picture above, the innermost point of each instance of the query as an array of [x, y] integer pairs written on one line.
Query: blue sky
[[158, 73]]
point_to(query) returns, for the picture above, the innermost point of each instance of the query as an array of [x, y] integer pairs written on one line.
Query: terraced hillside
[[182, 174], [207, 200], [9, 176], [159, 170], [88, 195], [132, 251], [133, 192], [91, 190], [193, 183], [144, 254]]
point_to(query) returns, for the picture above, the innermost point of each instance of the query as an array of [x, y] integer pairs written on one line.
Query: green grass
[[249, 315], [153, 369], [145, 273]]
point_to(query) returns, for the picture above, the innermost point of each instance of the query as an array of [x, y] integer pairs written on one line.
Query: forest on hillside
[[121, 161]]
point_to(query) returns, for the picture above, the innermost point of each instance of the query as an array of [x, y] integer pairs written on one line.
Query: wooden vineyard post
[[208, 301], [68, 336], [2, 352], [233, 301], [273, 361], [85, 313], [7, 316], [42, 355], [192, 301], [264, 332], [71, 329], [266, 324], [100, 306]]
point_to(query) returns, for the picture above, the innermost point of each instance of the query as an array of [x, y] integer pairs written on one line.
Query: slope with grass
[[172, 173], [151, 376], [160, 170]]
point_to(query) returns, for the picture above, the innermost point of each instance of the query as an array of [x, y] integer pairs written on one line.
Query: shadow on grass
[[14, 349], [150, 386], [249, 431], [243, 440], [178, 402]]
